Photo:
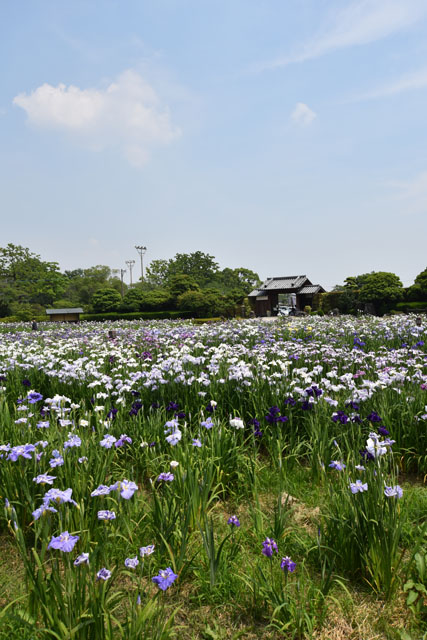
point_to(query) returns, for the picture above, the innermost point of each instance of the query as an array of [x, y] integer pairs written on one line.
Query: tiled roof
[[285, 282], [295, 284], [309, 289], [52, 312]]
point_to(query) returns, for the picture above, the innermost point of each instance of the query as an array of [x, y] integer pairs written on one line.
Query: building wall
[[65, 317]]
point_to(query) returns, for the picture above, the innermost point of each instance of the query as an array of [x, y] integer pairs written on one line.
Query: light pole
[[141, 250], [130, 264], [122, 273]]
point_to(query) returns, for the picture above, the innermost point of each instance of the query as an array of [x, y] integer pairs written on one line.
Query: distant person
[[34, 325], [418, 321]]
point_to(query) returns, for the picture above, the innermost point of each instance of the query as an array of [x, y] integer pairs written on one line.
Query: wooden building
[[290, 291], [64, 315]]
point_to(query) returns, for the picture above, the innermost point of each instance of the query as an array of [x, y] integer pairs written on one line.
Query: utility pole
[[141, 250], [130, 264], [122, 273]]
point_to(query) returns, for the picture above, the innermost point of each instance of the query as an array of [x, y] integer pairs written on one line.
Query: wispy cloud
[[360, 22], [407, 82], [302, 114], [126, 115]]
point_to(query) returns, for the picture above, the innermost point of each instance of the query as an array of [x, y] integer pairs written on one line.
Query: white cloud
[[126, 115], [359, 23], [303, 115], [407, 82]]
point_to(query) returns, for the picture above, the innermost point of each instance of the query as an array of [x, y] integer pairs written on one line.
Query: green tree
[[83, 283], [381, 288], [157, 273], [25, 279], [207, 303], [157, 300], [181, 283], [105, 300], [418, 291], [132, 300], [241, 279], [355, 282], [198, 265]]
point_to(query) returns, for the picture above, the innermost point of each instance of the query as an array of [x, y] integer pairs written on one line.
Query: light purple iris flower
[[64, 542]]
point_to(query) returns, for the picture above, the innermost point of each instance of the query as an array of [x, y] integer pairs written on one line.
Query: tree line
[[188, 282], [191, 283], [379, 292]]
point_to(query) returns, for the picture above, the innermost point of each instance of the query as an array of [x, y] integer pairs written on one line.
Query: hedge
[[411, 306], [205, 320], [136, 315]]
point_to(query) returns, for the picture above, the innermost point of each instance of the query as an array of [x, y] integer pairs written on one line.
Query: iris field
[[229, 480]]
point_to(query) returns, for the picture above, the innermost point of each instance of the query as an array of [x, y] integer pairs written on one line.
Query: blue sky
[[288, 136]]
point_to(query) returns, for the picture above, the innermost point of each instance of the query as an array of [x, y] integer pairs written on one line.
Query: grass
[[353, 612], [348, 582]]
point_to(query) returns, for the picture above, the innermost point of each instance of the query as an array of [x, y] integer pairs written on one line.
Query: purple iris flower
[[268, 546], [56, 495], [288, 565], [103, 574], [102, 490], [354, 405], [165, 578], [43, 424], [340, 416], [374, 417], [233, 520], [57, 460], [196, 442], [337, 464], [208, 424], [165, 477], [383, 431], [146, 551], [64, 542], [43, 510], [358, 486], [122, 440], [106, 515], [393, 492], [290, 401], [43, 478], [273, 416], [131, 563], [83, 558], [22, 450], [108, 441], [306, 405], [73, 441], [34, 397], [127, 488]]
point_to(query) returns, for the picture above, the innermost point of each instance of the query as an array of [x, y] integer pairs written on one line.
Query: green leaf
[[412, 596]]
